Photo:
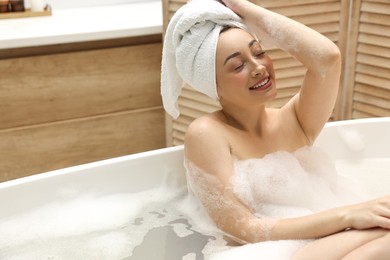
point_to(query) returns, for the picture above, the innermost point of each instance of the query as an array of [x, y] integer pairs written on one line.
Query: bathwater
[[162, 223]]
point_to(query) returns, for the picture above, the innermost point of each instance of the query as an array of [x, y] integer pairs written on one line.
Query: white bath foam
[[82, 215], [189, 256], [90, 227], [200, 222], [108, 245], [371, 174], [112, 227], [318, 166], [275, 250], [182, 230]]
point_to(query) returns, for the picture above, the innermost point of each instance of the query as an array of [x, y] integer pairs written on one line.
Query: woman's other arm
[[206, 147]]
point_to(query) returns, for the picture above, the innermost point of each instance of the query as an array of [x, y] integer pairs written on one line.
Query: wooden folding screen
[[367, 74], [361, 30]]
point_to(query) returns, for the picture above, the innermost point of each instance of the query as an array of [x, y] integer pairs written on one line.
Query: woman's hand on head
[[235, 5], [370, 214]]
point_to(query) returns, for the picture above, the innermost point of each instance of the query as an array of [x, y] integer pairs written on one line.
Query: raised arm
[[314, 103]]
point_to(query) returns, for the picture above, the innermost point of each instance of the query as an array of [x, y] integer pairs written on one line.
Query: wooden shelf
[[26, 14]]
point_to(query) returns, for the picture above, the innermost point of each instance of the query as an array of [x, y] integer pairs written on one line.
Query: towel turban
[[189, 50]]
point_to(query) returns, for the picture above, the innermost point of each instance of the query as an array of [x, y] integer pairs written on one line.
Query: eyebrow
[[250, 44]]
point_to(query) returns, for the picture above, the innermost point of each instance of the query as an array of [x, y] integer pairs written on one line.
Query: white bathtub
[[349, 141]]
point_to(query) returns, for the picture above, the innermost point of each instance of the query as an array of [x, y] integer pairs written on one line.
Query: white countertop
[[82, 24]]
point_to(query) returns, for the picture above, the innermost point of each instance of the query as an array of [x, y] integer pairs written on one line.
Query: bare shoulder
[[203, 133], [206, 144], [202, 127]]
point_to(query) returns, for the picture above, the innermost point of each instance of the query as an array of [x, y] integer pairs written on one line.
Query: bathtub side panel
[[129, 174]]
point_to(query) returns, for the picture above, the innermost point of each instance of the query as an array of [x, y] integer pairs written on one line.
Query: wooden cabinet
[[67, 105]]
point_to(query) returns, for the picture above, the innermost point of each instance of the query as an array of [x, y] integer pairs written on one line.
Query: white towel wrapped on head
[[189, 49]]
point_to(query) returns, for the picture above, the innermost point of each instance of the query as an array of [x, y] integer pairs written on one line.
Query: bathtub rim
[[167, 150], [90, 166]]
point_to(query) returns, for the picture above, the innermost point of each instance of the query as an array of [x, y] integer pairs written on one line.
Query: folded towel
[[189, 50]]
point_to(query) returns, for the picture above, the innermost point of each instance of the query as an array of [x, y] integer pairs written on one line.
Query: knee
[[383, 234], [380, 233], [387, 236]]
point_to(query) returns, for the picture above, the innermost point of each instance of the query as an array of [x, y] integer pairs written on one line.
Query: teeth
[[261, 84]]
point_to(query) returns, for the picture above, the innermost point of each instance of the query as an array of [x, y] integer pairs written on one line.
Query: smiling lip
[[262, 84]]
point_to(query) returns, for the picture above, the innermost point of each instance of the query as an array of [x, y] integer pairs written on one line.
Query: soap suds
[[166, 222]]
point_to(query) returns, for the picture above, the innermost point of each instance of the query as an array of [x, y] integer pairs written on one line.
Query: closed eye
[[259, 54], [239, 68]]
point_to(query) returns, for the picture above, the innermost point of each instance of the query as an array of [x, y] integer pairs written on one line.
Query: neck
[[250, 120]]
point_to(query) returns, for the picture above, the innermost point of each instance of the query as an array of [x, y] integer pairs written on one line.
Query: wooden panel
[[56, 87], [374, 50], [378, 82], [373, 71], [326, 16], [29, 150], [372, 100], [65, 105], [375, 7], [369, 89], [378, 1], [285, 3], [361, 108], [79, 46]]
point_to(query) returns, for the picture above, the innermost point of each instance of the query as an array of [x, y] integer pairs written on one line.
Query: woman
[[245, 129]]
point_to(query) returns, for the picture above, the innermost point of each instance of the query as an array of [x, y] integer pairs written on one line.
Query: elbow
[[334, 63], [332, 57], [324, 59], [327, 62], [335, 55], [244, 231]]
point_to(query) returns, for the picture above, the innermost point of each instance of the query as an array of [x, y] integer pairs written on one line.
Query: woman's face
[[244, 72]]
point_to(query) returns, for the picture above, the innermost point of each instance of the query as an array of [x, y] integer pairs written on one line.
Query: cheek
[[238, 80], [228, 85], [232, 80], [269, 65]]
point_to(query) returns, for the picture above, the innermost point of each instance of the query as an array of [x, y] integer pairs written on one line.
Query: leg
[[376, 249], [339, 245]]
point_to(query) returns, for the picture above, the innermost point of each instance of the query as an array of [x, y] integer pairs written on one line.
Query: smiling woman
[[251, 166], [235, 58], [123, 207]]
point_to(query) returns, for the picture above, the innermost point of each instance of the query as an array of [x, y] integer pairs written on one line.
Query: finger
[[384, 204], [384, 222], [220, 2]]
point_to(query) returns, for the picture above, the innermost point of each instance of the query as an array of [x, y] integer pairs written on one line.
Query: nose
[[257, 69]]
